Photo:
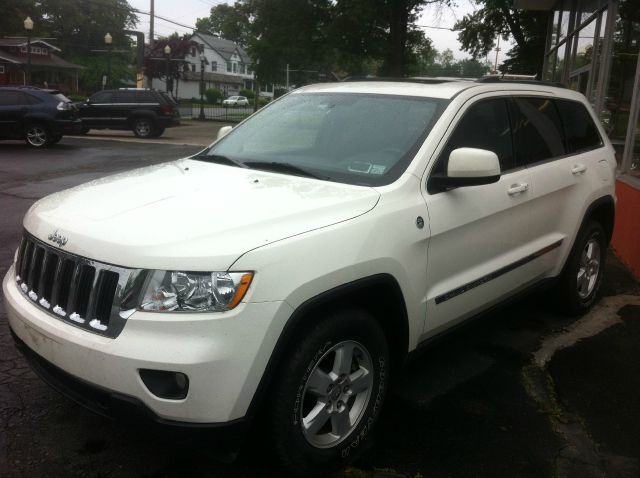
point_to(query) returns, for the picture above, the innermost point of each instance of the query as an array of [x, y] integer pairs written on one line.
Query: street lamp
[[202, 61], [108, 40], [28, 25], [167, 52]]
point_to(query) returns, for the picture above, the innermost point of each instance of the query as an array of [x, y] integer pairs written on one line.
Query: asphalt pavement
[[520, 392]]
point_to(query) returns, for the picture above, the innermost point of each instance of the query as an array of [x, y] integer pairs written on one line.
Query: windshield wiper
[[282, 168], [216, 158]]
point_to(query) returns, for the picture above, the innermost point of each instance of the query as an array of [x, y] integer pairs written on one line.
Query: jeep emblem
[[57, 238]]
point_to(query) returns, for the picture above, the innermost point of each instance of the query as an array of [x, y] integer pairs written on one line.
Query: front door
[[480, 239]]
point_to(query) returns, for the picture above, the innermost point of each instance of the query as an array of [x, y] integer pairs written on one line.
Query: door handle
[[578, 169], [517, 189]]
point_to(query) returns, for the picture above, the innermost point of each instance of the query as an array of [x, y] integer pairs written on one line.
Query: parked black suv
[[38, 116], [146, 112]]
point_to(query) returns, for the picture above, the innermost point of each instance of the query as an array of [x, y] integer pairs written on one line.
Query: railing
[[216, 112]]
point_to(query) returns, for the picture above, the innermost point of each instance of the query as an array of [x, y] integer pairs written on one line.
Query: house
[[226, 67], [47, 69]]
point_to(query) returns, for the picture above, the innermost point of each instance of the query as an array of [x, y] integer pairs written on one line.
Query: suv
[[236, 101], [40, 117], [145, 112], [289, 269]]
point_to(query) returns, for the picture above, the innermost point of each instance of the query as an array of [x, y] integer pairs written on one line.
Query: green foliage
[[479, 30], [248, 93], [228, 21], [263, 101], [213, 95]]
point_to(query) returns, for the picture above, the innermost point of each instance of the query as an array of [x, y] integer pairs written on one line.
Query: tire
[[55, 139], [582, 274], [313, 447], [37, 135], [157, 132], [143, 127], [84, 130]]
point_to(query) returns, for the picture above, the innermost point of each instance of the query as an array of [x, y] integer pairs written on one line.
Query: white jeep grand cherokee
[[290, 268]]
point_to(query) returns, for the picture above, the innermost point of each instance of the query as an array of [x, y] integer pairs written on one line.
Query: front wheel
[[37, 135], [330, 393], [582, 274], [143, 128]]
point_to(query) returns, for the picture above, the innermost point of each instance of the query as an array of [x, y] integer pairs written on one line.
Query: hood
[[190, 215]]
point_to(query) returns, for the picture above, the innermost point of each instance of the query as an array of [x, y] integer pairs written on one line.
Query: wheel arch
[[380, 295], [603, 211]]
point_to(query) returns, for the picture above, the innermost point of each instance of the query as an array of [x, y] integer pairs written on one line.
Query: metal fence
[[232, 114]]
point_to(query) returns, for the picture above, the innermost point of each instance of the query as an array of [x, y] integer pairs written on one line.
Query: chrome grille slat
[[77, 290]]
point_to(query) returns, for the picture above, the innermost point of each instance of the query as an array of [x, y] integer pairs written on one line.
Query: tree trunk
[[398, 20]]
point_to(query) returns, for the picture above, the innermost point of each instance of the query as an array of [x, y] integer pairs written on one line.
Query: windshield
[[352, 138]]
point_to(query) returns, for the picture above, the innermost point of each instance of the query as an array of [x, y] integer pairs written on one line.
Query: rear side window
[[102, 97], [124, 97], [30, 100], [580, 132], [485, 125], [146, 97], [537, 131]]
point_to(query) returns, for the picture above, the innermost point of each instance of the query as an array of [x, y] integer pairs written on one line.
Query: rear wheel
[[37, 135], [143, 127], [583, 272], [329, 394], [55, 139]]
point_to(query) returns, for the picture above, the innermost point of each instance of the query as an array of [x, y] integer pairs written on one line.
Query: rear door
[[97, 112], [480, 239], [561, 147], [14, 105]]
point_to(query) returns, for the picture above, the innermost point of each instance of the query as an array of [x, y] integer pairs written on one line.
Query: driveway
[[519, 392]]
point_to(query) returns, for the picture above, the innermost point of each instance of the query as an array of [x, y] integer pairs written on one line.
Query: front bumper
[[223, 354], [68, 126]]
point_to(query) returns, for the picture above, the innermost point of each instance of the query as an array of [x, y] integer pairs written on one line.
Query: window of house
[[193, 67], [537, 130], [23, 49], [235, 67], [228, 67], [193, 51], [214, 66], [1, 69], [580, 132], [485, 125]]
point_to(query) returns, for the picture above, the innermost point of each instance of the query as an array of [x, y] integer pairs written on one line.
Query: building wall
[[626, 233]]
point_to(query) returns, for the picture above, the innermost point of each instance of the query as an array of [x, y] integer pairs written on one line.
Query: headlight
[[195, 291]]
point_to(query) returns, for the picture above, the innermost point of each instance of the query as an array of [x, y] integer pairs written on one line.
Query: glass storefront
[[593, 47]]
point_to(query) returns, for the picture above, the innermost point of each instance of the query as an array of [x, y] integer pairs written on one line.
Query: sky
[[187, 11]]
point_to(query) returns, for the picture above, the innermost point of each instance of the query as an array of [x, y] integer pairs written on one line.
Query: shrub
[[264, 101], [213, 95], [248, 93]]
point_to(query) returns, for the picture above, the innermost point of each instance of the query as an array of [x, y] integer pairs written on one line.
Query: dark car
[[146, 112], [40, 117]]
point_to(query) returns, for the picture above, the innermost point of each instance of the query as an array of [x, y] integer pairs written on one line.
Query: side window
[[145, 97], [29, 99], [102, 97], [9, 98], [125, 97], [537, 132], [485, 125], [580, 132]]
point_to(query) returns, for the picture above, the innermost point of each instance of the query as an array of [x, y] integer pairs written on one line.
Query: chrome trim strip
[[495, 274]]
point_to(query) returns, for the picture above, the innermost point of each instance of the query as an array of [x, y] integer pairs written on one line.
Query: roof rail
[[526, 79], [423, 80]]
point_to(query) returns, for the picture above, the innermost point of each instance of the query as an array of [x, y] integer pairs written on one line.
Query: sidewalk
[[190, 132]]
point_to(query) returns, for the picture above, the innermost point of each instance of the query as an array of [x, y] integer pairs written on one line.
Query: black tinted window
[[124, 97], [30, 100], [12, 98], [537, 132], [485, 125], [580, 132], [102, 97], [146, 97]]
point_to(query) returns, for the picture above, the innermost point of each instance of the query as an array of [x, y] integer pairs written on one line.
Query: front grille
[[77, 290]]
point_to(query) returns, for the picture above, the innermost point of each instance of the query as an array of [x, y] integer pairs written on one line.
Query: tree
[[497, 18], [227, 21]]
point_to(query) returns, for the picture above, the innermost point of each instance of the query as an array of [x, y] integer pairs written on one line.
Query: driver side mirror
[[222, 132], [467, 167]]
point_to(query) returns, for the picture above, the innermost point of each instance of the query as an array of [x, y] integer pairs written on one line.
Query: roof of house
[[226, 48], [210, 76], [20, 41], [52, 61]]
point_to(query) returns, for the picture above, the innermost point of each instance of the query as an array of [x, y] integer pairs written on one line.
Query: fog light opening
[[164, 384]]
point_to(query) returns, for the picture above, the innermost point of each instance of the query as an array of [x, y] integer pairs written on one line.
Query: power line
[[437, 28]]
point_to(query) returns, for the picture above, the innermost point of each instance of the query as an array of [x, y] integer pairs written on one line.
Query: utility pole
[[287, 78], [495, 68], [151, 17]]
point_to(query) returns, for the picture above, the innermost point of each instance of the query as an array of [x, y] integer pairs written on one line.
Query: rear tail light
[[166, 110]]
